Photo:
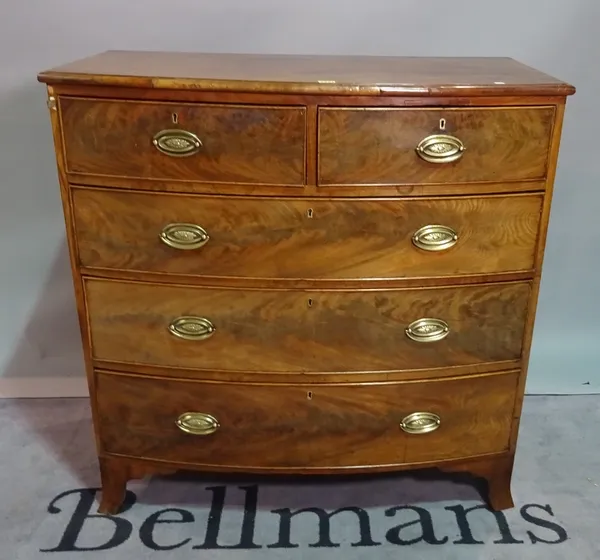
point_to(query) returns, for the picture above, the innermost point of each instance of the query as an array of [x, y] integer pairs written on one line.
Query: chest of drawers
[[305, 264]]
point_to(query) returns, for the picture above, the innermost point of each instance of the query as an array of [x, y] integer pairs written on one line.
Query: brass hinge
[[52, 103]]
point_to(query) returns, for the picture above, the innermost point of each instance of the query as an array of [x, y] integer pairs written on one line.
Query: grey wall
[[39, 342]]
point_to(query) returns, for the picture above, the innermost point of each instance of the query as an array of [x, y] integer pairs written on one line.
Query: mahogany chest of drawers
[[305, 264]]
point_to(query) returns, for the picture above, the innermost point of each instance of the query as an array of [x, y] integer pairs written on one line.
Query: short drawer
[[188, 142], [296, 331], [304, 426], [298, 239], [383, 146]]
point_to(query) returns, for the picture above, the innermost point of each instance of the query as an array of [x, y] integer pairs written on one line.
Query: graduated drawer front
[[286, 238], [304, 426], [296, 331], [379, 145], [239, 144]]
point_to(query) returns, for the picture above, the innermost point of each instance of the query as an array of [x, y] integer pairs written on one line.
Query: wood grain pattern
[[315, 100], [305, 284], [310, 370], [497, 473], [239, 143], [339, 191], [67, 206], [313, 377], [304, 427], [115, 473], [365, 75], [308, 238], [494, 468], [114, 476], [305, 331], [540, 251], [377, 146]]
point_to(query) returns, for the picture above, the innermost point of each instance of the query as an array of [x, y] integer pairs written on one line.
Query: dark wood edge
[[313, 197], [304, 284], [302, 88], [321, 191], [459, 378], [472, 108], [314, 378], [340, 186], [203, 96], [311, 138], [450, 464], [322, 289]]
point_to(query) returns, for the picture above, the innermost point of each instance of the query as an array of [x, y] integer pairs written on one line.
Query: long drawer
[[309, 238], [304, 426], [295, 331], [185, 141], [381, 146]]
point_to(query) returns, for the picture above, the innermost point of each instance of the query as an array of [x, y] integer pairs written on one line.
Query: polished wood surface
[[312, 191], [365, 75], [378, 146], [76, 276], [305, 331], [303, 426], [494, 468], [306, 238], [262, 145], [310, 188], [539, 258], [116, 472], [315, 377], [497, 473]]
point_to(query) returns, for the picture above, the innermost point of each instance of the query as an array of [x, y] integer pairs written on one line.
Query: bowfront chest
[[293, 264]]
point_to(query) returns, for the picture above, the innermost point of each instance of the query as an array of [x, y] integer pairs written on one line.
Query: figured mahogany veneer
[[239, 143], [305, 331], [305, 238], [289, 264], [377, 145], [339, 426]]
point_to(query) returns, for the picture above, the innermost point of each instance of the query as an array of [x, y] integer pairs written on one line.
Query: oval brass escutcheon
[[197, 423], [420, 423], [435, 237], [192, 328], [175, 142], [427, 330], [440, 148], [184, 236]]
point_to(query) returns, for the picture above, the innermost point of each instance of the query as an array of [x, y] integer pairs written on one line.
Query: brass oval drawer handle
[[177, 143], [420, 423], [440, 148], [435, 237], [184, 236], [197, 423], [427, 330], [192, 328]]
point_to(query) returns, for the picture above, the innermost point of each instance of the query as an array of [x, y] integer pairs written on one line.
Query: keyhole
[[309, 212], [175, 118], [310, 302], [442, 124], [309, 395]]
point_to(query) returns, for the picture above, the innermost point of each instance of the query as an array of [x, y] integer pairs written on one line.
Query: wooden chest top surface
[[337, 74]]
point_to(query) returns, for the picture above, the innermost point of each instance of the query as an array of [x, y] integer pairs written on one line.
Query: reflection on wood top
[[333, 75]]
